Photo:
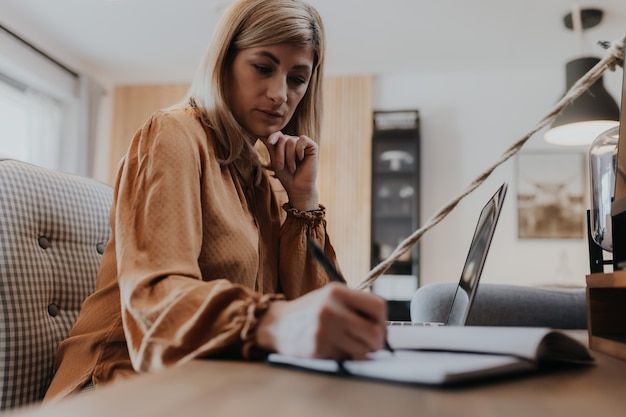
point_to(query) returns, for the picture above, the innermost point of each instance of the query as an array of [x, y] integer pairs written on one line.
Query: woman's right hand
[[294, 159], [331, 322]]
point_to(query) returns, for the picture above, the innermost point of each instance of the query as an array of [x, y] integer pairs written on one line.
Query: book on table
[[455, 354]]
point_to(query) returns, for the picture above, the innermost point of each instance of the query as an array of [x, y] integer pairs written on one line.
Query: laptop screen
[[470, 276]]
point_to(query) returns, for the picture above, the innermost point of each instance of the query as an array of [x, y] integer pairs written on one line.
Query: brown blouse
[[191, 264]]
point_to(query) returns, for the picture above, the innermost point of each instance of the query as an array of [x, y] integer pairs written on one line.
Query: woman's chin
[[263, 133], [263, 130]]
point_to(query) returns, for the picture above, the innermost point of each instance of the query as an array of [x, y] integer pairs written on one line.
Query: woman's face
[[266, 84]]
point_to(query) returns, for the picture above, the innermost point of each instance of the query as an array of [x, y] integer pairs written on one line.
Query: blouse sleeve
[[170, 315], [299, 271]]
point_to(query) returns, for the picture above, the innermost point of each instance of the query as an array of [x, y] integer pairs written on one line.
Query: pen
[[332, 272], [321, 257]]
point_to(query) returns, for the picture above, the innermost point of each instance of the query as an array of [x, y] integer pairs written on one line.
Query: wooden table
[[233, 389]]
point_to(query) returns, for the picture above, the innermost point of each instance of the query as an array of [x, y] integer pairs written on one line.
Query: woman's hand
[[294, 160], [331, 322]]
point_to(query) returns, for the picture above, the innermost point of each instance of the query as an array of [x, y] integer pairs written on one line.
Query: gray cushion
[[506, 305], [53, 228]]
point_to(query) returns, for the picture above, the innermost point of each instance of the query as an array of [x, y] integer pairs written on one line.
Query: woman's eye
[[262, 69], [298, 80]]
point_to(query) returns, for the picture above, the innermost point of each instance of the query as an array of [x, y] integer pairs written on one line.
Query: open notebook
[[474, 263], [452, 355]]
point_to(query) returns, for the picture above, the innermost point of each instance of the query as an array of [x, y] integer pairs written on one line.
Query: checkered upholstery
[[53, 228]]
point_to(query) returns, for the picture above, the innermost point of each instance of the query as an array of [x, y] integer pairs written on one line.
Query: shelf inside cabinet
[[395, 191]]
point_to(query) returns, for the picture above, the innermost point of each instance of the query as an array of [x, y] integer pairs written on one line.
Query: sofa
[[505, 305]]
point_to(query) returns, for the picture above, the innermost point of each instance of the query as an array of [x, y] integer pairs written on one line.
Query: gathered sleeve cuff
[[310, 216], [254, 312], [177, 331]]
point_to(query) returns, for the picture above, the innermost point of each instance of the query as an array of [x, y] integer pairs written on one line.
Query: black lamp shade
[[594, 105]]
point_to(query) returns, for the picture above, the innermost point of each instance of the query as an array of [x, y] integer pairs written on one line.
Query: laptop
[[474, 263]]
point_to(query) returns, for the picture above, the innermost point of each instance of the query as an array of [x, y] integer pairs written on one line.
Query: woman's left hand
[[294, 160]]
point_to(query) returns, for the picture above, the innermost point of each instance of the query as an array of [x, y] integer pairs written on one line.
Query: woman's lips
[[271, 113]]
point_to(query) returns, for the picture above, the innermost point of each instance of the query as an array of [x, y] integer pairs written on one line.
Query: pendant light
[[595, 110]]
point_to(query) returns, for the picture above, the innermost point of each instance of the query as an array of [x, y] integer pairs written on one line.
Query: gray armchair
[[53, 229]]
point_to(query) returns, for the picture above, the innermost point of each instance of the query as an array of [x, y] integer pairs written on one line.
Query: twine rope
[[614, 57]]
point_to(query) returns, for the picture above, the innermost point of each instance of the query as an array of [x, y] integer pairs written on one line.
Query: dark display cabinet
[[395, 204]]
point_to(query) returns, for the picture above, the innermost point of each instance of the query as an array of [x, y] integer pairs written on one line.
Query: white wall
[[468, 121]]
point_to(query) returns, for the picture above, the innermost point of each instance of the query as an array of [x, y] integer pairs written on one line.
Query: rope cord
[[614, 57]]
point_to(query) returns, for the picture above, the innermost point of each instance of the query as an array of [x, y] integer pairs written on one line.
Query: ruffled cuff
[[310, 215], [255, 310]]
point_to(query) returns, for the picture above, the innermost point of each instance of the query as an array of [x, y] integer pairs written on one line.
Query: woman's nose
[[277, 90]]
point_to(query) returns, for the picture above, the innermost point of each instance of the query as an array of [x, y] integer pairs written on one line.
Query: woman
[[205, 260]]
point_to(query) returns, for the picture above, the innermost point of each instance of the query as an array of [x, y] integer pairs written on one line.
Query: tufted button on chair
[[53, 229]]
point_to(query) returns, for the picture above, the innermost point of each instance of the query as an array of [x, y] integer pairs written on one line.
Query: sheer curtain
[[31, 125], [12, 121], [51, 132], [90, 98], [44, 130]]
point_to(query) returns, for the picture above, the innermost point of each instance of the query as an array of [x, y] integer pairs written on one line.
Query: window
[[13, 122], [30, 126], [48, 112]]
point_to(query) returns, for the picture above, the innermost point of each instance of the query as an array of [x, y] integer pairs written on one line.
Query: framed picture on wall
[[551, 191]]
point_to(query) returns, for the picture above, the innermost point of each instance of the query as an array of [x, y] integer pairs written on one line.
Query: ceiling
[[161, 41]]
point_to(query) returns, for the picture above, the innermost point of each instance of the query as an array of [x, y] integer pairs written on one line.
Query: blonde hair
[[248, 24]]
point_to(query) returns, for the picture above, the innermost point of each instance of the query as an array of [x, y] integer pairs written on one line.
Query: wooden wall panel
[[345, 170], [132, 105]]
